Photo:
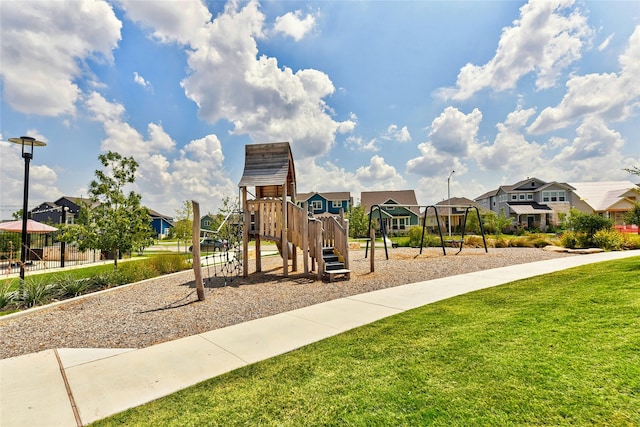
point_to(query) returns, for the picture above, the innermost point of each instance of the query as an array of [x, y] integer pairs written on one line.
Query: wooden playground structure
[[272, 215]]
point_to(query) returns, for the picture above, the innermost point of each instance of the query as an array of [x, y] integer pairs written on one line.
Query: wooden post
[[245, 234], [195, 238], [305, 239], [372, 236], [283, 235]]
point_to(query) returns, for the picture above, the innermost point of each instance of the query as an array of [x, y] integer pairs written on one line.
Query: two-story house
[[326, 203], [64, 210], [396, 219], [533, 203]]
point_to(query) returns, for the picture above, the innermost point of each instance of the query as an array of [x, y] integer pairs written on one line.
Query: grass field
[[560, 349]]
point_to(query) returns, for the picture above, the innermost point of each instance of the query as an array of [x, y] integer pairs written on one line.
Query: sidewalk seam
[[72, 401]]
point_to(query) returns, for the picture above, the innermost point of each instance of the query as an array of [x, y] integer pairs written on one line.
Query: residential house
[[453, 208], [324, 204], [399, 209], [612, 199], [63, 210], [207, 222], [533, 203], [161, 224]]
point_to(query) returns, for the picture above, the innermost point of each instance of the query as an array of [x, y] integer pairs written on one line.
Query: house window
[[206, 223], [521, 196], [336, 204], [529, 196], [316, 205], [561, 196], [514, 197], [400, 223]]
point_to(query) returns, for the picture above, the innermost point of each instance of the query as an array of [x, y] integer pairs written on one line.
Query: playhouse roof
[[269, 165]]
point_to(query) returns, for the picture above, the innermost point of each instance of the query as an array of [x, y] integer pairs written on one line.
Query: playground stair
[[333, 266]]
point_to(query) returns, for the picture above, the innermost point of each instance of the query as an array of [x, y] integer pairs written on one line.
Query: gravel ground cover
[[166, 308]]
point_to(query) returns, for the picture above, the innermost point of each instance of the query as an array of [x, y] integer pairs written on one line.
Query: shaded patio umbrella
[[33, 227]]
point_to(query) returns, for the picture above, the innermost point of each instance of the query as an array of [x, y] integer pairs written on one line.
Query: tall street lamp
[[449, 198], [27, 155]]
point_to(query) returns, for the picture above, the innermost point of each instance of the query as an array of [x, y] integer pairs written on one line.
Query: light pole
[[27, 156], [449, 198]]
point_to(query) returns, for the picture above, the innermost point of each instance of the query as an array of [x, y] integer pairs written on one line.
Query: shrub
[[522, 242], [168, 263], [36, 291], [574, 239], [609, 240], [8, 295], [474, 241], [415, 236], [501, 242], [631, 241], [73, 287]]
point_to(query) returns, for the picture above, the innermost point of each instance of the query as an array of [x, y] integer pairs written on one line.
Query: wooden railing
[[266, 218], [336, 234], [309, 234]]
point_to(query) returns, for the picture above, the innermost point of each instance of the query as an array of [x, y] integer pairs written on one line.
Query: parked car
[[211, 245]]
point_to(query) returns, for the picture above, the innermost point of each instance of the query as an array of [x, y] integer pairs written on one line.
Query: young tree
[[183, 227], [114, 222], [358, 222], [633, 216]]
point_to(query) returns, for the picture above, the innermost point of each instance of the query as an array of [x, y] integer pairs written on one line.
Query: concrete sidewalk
[[72, 387]]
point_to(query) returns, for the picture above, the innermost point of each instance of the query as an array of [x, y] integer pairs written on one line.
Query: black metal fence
[[45, 252]]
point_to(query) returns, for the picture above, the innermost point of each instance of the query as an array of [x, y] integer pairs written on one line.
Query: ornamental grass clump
[[37, 290], [8, 295]]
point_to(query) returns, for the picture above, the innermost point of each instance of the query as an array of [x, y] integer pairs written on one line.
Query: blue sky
[[372, 95]]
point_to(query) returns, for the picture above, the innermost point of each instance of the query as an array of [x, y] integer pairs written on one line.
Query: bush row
[[43, 289], [607, 239]]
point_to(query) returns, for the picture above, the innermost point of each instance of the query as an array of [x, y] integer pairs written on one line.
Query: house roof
[[400, 197], [269, 165], [602, 195], [454, 202], [156, 214], [341, 195], [521, 186], [529, 208]]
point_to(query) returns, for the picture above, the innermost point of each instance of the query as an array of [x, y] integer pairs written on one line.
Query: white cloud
[[260, 98], [511, 151], [546, 39], [140, 80], [395, 134], [360, 144], [43, 48], [454, 132], [42, 179], [607, 96], [197, 174], [293, 25], [593, 140], [170, 21], [602, 46], [380, 175]]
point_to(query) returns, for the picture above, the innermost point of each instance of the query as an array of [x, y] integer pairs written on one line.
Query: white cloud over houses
[[546, 39], [44, 46], [294, 25]]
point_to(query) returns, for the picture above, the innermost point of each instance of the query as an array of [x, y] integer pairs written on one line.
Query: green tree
[[183, 227], [358, 222], [587, 224], [498, 223], [17, 214], [114, 221], [633, 216]]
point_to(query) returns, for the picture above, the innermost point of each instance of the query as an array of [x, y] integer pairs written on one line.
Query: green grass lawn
[[560, 349]]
